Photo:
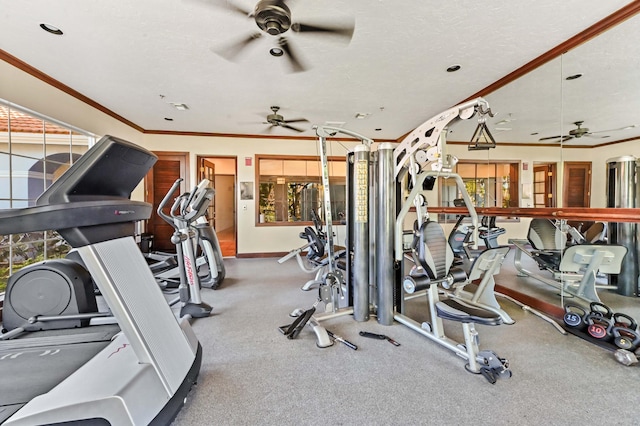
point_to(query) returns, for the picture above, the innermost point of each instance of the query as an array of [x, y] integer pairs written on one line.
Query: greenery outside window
[[34, 152], [289, 188], [489, 184]]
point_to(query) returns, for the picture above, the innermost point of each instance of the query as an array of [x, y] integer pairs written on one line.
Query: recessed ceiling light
[[454, 68], [362, 115], [534, 133], [179, 106], [276, 51], [51, 29], [334, 123], [168, 118], [378, 129], [574, 76]]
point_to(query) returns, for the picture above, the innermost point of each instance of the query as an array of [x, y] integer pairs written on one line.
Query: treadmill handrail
[[73, 214]]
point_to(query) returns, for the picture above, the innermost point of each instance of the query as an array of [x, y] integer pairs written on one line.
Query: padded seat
[[433, 253], [453, 310], [548, 242]]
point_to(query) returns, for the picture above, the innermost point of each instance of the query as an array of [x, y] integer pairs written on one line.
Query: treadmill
[[138, 372]]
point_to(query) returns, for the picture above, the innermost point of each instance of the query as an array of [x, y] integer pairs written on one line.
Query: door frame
[[199, 160], [568, 166], [550, 183], [149, 190]]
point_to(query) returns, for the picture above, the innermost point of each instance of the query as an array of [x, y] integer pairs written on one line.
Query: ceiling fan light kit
[[273, 17]]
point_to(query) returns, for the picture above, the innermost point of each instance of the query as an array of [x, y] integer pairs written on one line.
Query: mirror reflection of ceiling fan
[[580, 131], [273, 17]]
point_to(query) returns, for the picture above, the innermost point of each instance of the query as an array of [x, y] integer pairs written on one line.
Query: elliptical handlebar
[[166, 199], [188, 206]]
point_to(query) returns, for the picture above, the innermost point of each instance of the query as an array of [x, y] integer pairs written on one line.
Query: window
[[488, 184], [34, 152], [289, 188]]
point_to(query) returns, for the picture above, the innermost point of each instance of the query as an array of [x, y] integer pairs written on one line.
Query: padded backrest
[[543, 235], [489, 260], [432, 251], [596, 232], [577, 257]]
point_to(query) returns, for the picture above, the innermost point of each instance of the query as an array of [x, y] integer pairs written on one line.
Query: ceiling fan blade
[[229, 52], [615, 130], [268, 129], [345, 31], [559, 139], [286, 126], [296, 120], [550, 137], [296, 65]]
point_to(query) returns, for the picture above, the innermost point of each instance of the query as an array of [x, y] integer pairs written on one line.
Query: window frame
[[53, 147], [514, 184], [257, 184]]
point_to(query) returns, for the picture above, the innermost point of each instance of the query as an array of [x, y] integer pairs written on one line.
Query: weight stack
[[622, 192]]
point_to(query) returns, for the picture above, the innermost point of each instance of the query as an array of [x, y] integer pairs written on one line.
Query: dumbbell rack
[[599, 325]]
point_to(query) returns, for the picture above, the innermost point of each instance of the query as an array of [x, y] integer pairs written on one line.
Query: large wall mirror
[[566, 118]]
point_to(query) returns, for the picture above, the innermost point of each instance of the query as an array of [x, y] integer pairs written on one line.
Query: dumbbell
[[601, 309], [598, 326], [624, 320], [573, 315], [625, 338], [625, 332], [599, 321], [626, 357]]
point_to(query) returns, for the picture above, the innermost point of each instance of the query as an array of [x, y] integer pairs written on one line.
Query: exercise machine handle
[[166, 199], [293, 253]]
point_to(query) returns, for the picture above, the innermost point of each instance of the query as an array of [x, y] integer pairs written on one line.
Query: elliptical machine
[[186, 209], [165, 265]]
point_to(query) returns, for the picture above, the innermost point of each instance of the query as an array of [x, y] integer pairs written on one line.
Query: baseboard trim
[[256, 255], [555, 311]]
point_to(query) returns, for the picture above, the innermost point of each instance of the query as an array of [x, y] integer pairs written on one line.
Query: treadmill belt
[[32, 370]]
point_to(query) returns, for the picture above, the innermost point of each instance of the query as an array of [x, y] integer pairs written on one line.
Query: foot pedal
[[292, 330]]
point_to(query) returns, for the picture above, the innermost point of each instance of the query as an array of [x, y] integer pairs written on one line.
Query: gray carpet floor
[[253, 375]]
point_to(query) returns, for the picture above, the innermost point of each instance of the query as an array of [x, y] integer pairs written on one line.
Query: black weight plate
[[597, 331], [572, 319]]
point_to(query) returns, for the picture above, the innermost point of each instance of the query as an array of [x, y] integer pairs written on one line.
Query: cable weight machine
[[350, 297], [377, 207]]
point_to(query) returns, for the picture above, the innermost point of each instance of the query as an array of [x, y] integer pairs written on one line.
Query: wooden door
[[169, 167], [222, 172], [577, 184], [544, 184], [208, 171]]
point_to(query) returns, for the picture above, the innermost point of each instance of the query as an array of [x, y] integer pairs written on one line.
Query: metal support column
[[621, 193], [385, 233], [361, 233]]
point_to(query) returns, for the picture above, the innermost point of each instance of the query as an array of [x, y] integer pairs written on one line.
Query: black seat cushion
[[453, 310]]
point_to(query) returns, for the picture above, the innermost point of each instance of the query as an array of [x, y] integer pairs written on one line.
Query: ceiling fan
[[273, 17], [277, 120], [580, 131]]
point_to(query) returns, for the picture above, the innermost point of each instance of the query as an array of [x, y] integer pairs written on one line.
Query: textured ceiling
[[135, 58]]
